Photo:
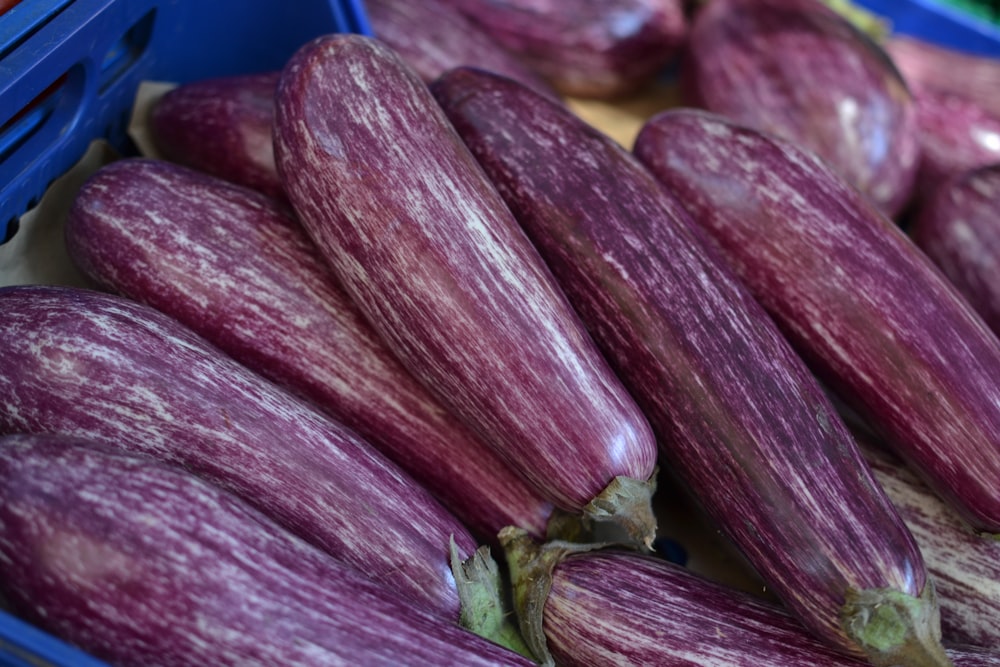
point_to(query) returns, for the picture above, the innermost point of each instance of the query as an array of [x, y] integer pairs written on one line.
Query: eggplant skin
[[741, 421], [957, 228], [221, 126], [586, 48], [425, 246], [237, 268], [106, 368], [613, 607], [432, 36], [867, 310], [142, 563], [797, 69]]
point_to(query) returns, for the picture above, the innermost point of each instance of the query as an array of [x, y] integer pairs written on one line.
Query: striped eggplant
[[142, 563], [879, 325], [221, 126], [103, 367], [956, 134], [798, 69], [957, 227], [929, 65], [238, 268], [741, 421], [611, 607], [965, 567], [432, 36], [586, 48], [425, 246]]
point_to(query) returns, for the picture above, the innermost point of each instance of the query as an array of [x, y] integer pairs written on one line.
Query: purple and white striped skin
[[141, 563], [799, 70], [586, 48], [929, 65], [958, 227], [877, 322], [425, 246], [965, 567], [611, 607], [432, 36], [956, 135], [103, 367], [239, 270], [740, 420], [221, 126]]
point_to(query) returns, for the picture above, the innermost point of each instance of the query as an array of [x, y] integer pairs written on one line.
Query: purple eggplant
[[611, 607], [798, 69], [239, 270], [586, 48], [106, 368], [142, 563], [221, 126], [432, 36], [741, 421], [428, 251], [965, 567], [877, 322], [958, 227]]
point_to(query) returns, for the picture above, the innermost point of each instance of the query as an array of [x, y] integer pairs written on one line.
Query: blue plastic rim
[[69, 70]]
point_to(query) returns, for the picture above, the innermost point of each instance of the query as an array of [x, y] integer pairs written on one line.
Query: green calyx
[[893, 628], [621, 513]]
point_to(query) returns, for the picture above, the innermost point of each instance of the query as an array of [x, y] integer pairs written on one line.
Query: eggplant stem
[[894, 628]]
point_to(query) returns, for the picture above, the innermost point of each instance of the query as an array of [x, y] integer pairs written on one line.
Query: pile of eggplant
[[385, 355]]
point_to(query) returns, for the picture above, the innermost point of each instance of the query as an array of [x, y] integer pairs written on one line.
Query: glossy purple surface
[[958, 227], [239, 270], [221, 126], [613, 608], [427, 249], [865, 307], [432, 36], [799, 70], [740, 419], [586, 48], [103, 367], [142, 563]]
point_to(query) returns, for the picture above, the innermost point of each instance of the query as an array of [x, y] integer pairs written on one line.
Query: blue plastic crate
[[938, 22], [69, 69]]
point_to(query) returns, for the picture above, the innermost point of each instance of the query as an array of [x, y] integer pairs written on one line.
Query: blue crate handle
[[81, 62], [934, 21]]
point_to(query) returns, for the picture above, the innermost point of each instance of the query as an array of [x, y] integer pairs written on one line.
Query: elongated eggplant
[[432, 36], [741, 421], [861, 303], [965, 567], [797, 69], [586, 48], [221, 126], [103, 367], [239, 270], [142, 563], [956, 226], [425, 246], [612, 607]]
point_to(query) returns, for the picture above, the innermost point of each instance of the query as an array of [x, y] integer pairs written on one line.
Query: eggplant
[[869, 312], [613, 607], [432, 36], [142, 563], [798, 69], [599, 49], [965, 567], [221, 126], [106, 368], [956, 226], [741, 421], [424, 245], [255, 286]]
